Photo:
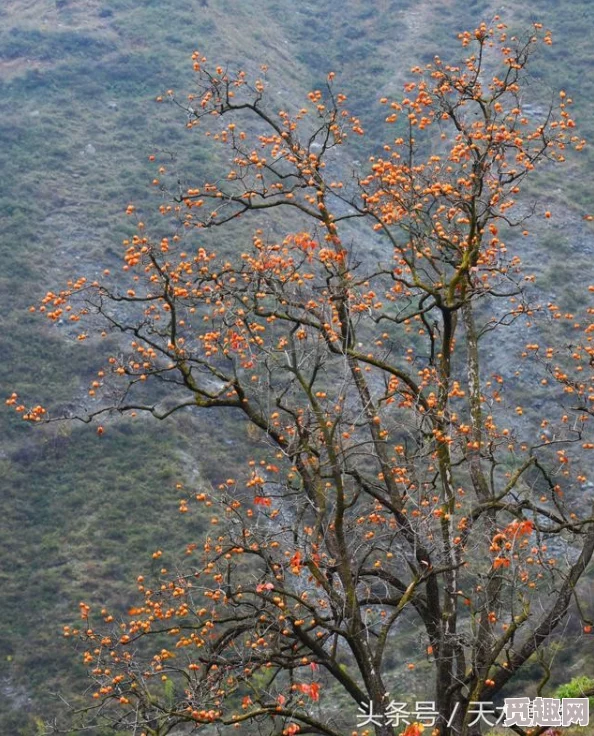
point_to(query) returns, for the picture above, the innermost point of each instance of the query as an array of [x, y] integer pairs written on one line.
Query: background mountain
[[81, 515]]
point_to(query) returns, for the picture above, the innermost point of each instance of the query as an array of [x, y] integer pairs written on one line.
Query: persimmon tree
[[405, 498]]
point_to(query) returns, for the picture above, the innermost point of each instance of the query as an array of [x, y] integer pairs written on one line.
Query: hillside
[[82, 514]]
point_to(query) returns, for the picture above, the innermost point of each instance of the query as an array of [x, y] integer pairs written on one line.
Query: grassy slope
[[81, 515]]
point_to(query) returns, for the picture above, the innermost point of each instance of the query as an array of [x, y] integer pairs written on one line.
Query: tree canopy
[[404, 497]]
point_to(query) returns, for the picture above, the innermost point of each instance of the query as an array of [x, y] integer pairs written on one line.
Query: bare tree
[[400, 500]]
